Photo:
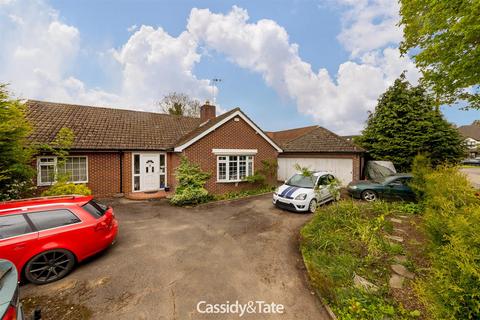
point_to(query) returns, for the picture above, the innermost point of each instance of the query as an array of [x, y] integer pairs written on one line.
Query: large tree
[[180, 104], [15, 154], [406, 122], [444, 38]]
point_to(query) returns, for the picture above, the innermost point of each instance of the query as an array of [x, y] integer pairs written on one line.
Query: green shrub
[[191, 181], [347, 239], [263, 175], [447, 191], [421, 167], [451, 289], [63, 187]]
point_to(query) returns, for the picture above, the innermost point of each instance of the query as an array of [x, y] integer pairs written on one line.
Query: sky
[[285, 63]]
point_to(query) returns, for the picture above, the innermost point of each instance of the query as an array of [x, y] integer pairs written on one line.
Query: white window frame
[[227, 167], [55, 169]]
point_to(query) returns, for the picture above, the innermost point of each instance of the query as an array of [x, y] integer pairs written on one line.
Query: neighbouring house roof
[[313, 139], [98, 128], [107, 128], [470, 131], [210, 125]]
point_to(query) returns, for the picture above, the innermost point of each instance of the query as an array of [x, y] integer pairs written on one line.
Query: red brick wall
[[356, 157], [231, 135], [173, 160], [127, 172]]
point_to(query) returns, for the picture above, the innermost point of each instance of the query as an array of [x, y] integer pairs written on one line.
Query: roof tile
[[313, 139], [108, 128]]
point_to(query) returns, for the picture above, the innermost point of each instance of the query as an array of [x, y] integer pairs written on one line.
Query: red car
[[46, 237]]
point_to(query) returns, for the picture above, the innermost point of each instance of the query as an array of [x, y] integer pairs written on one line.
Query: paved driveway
[[168, 259], [473, 175]]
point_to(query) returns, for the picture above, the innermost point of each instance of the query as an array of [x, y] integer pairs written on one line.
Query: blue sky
[[285, 63]]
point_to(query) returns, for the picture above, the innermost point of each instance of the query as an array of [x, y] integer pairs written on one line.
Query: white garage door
[[341, 168]]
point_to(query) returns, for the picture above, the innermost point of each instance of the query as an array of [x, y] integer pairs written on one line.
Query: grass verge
[[351, 239]]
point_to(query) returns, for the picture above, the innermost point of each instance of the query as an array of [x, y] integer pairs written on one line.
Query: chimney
[[207, 112]]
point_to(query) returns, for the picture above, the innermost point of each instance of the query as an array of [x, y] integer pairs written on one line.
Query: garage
[[318, 149], [341, 168]]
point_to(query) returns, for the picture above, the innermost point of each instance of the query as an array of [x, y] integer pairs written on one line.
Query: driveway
[[473, 174], [168, 259]]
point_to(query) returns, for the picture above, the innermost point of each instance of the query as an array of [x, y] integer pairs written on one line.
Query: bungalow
[[471, 135], [133, 152]]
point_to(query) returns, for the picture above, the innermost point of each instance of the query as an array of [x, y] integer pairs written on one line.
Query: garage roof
[[312, 139]]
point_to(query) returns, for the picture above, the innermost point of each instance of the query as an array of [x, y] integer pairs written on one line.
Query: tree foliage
[[180, 104], [443, 37], [15, 153], [406, 122]]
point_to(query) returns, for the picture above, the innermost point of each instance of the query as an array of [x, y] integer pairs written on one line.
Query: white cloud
[[37, 53], [152, 63], [340, 102], [369, 25]]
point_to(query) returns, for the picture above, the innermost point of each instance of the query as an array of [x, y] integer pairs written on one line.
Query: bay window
[[48, 169], [234, 168]]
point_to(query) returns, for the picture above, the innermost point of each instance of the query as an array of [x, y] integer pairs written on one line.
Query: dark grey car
[[10, 307]]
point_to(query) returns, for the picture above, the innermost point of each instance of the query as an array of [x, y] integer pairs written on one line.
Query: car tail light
[[102, 225], [11, 313]]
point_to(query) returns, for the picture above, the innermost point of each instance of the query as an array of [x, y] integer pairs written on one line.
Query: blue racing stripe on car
[[285, 192], [289, 193]]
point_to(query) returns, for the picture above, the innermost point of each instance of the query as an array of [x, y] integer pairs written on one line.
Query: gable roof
[[211, 125], [314, 139], [107, 128], [470, 131]]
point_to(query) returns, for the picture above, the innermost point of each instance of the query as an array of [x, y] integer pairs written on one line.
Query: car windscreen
[[95, 208], [302, 181]]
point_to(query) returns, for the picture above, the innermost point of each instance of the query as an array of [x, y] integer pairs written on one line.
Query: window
[[234, 168], [136, 172], [52, 219], [75, 167], [46, 171], [95, 209], [13, 225], [323, 181]]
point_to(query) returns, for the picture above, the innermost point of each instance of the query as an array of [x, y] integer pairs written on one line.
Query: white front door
[[150, 169]]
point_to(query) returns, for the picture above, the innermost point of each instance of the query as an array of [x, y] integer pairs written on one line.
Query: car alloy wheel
[[313, 206], [369, 195], [49, 266]]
